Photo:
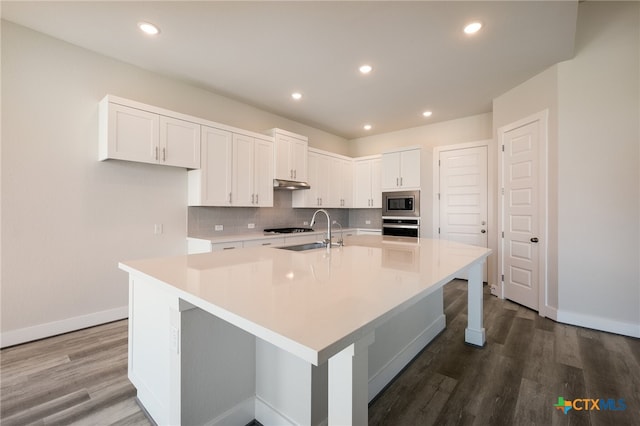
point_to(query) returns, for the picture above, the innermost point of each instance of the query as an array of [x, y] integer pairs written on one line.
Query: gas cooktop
[[286, 230]]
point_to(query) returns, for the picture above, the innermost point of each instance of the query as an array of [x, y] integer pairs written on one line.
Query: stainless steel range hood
[[289, 185]]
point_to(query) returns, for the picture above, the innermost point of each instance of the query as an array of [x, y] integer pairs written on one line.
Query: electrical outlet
[[334, 222], [367, 222], [157, 228], [305, 223], [219, 228], [251, 225]]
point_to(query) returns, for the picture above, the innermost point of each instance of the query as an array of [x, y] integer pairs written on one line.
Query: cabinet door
[[179, 143], [376, 184], [335, 179], [263, 169], [391, 171], [321, 179], [243, 172], [298, 155], [212, 183], [132, 134], [362, 184], [347, 183], [410, 169], [283, 169]]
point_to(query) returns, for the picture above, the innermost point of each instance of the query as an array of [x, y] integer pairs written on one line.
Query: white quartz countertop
[[313, 303]]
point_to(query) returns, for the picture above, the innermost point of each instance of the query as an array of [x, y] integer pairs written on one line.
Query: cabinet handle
[[257, 195], [291, 173], [266, 244], [397, 182], [253, 196], [228, 248], [400, 180], [229, 198], [156, 153], [295, 174], [164, 154]]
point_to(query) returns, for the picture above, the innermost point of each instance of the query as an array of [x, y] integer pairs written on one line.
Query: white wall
[[594, 161], [598, 171], [68, 219]]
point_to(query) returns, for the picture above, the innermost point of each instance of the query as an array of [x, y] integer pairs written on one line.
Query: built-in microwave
[[401, 203]]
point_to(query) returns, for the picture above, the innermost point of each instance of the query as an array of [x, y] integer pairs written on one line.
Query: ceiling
[[261, 52]]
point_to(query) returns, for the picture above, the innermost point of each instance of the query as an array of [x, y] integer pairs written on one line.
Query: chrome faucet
[[327, 241]]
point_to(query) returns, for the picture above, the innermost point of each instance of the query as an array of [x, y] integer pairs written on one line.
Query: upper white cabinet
[[367, 191], [290, 155], [135, 132], [401, 170], [211, 184], [330, 177], [237, 170]]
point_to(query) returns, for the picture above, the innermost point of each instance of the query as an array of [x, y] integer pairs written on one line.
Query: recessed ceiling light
[[365, 69], [367, 127], [473, 28], [427, 113], [296, 96], [148, 28]]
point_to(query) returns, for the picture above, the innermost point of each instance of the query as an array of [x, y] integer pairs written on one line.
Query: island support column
[[349, 384], [475, 334]]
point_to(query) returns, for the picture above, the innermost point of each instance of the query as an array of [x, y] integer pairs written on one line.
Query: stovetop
[[286, 230]]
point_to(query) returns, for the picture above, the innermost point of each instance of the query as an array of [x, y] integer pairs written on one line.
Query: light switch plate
[[251, 225], [219, 228]]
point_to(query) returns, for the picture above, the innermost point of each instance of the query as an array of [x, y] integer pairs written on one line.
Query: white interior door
[[463, 197], [520, 221]]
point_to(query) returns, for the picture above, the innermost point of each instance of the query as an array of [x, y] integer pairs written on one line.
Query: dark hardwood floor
[[528, 362]]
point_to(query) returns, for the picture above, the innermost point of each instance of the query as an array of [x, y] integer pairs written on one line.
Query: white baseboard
[[391, 369], [598, 323], [240, 414], [267, 415], [40, 331]]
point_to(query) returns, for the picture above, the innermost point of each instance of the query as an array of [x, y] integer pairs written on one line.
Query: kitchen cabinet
[[290, 155], [133, 133], [318, 194], [367, 183], [401, 170], [211, 184], [237, 170], [252, 179], [340, 182]]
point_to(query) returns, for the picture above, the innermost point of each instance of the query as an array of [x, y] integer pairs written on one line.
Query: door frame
[[492, 240], [542, 118]]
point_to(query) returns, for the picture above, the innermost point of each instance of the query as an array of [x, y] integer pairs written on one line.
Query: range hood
[[289, 185]]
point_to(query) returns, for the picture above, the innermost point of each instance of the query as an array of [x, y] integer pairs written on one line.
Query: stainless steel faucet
[[313, 221]]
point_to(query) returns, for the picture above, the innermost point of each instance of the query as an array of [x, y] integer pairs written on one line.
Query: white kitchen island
[[286, 337]]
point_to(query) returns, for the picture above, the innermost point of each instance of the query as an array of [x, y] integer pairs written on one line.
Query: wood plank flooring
[[80, 378]]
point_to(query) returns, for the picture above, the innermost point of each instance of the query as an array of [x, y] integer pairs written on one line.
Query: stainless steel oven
[[401, 204], [401, 227]]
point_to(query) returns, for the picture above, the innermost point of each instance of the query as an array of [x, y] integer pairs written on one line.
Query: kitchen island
[[285, 337]]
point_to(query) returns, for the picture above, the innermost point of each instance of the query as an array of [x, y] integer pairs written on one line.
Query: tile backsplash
[[235, 220]]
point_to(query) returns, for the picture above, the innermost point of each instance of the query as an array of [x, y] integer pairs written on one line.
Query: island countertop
[[313, 303]]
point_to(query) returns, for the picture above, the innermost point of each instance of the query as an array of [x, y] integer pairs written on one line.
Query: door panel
[[520, 206], [463, 196]]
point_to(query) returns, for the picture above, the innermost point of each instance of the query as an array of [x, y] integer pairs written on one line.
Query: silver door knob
[[534, 240], [483, 231]]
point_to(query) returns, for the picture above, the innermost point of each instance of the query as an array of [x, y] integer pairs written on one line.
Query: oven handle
[[401, 226]]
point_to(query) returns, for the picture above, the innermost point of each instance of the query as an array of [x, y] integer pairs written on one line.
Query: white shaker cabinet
[[133, 133], [211, 184], [401, 170], [340, 182], [318, 179], [290, 155], [367, 183], [252, 172]]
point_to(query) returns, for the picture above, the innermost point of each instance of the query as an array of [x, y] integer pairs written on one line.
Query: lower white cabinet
[[264, 242]]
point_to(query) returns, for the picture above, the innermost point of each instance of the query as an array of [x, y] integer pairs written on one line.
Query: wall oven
[[401, 204], [401, 227]]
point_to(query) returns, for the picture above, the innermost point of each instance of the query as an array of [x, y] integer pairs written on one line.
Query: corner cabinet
[[367, 193], [401, 170], [330, 177], [135, 132], [237, 170], [290, 155]]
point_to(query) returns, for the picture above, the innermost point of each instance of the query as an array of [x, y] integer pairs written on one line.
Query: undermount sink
[[304, 247]]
